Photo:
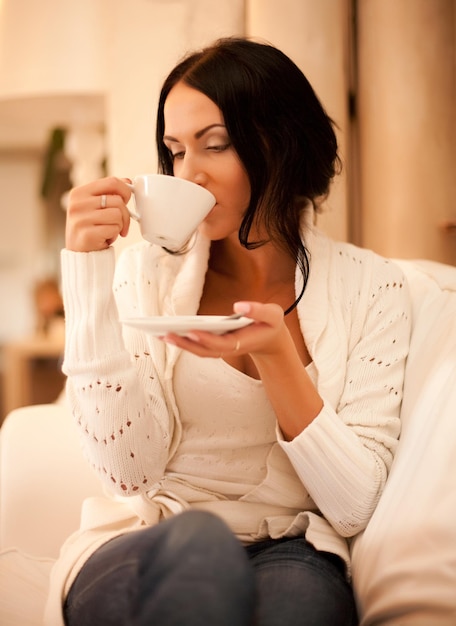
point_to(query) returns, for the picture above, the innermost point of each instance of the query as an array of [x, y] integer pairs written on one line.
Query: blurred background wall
[[79, 82]]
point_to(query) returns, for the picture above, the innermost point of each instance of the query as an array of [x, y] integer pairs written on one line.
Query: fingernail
[[242, 307], [193, 337]]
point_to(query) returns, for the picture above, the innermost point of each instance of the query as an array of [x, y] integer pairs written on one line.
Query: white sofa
[[404, 564]]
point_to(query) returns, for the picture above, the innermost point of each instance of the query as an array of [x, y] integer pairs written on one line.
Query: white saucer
[[182, 324]]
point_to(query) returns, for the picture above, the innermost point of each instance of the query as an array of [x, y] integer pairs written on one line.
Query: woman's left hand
[[262, 338]]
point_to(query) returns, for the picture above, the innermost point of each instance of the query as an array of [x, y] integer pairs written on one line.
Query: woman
[[238, 465]]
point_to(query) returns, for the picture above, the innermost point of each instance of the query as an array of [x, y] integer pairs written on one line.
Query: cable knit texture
[[355, 319]]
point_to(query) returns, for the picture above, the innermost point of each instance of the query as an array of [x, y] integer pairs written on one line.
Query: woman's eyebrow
[[198, 134]]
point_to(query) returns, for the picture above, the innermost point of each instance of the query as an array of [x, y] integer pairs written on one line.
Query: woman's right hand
[[89, 225]]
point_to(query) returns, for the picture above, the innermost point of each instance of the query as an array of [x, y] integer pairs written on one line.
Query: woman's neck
[[266, 274], [266, 265]]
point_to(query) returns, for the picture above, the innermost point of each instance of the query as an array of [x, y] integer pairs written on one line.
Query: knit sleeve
[[344, 455], [117, 402]]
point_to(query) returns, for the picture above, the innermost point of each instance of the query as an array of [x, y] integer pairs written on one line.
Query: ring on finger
[[103, 201]]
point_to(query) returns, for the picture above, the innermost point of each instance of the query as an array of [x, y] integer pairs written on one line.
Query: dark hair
[[280, 131]]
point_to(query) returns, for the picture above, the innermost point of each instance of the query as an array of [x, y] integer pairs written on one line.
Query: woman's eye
[[219, 148], [180, 154]]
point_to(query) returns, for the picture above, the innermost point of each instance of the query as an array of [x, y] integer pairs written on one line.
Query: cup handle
[[134, 215]]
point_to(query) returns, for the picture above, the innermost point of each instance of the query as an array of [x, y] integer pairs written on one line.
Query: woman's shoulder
[[351, 260], [376, 283]]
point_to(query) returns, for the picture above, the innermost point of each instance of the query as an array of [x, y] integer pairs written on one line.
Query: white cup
[[169, 209]]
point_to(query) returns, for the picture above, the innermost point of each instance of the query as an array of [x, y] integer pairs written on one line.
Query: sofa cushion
[[24, 582]]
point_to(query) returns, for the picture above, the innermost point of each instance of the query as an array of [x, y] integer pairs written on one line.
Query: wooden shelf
[[32, 371]]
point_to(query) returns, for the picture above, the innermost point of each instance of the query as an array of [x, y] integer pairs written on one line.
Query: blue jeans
[[192, 570]]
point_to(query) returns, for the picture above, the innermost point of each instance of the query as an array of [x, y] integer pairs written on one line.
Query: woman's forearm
[[290, 390]]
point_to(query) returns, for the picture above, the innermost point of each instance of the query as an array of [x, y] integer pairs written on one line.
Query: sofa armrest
[[43, 479]]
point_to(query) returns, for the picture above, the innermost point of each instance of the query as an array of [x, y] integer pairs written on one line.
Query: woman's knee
[[200, 561], [201, 537], [198, 529]]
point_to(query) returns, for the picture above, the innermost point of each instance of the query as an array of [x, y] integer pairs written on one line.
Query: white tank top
[[228, 426]]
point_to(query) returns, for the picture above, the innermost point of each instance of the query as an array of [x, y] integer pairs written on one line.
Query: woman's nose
[[200, 178], [190, 169]]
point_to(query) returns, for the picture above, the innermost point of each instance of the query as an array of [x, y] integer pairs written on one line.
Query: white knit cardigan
[[355, 319]]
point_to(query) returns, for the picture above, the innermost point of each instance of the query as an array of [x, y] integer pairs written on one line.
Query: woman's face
[[197, 139]]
